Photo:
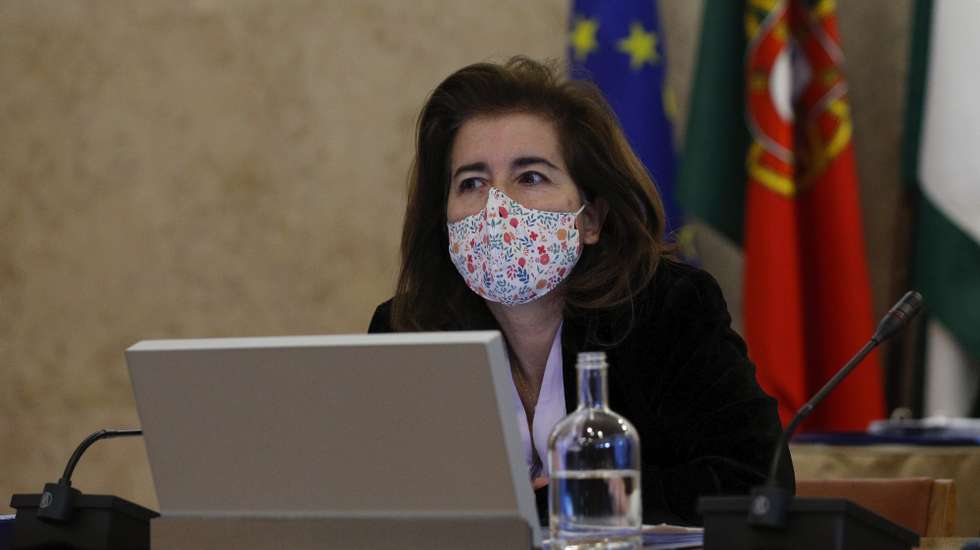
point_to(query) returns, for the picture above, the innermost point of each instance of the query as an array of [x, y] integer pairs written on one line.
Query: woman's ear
[[591, 219]]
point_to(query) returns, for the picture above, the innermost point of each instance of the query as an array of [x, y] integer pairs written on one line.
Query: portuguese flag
[[942, 169], [769, 162]]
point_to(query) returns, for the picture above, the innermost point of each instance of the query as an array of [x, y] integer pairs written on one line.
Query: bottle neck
[[592, 392]]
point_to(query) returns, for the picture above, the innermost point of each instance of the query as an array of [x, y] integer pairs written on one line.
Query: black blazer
[[682, 376]]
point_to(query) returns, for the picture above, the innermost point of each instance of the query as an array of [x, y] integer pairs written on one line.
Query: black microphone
[[770, 503], [62, 517], [58, 499]]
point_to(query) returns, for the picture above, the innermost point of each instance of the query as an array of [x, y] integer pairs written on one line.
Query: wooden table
[[961, 464]]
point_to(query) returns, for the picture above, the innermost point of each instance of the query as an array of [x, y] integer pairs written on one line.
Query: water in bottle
[[594, 460]]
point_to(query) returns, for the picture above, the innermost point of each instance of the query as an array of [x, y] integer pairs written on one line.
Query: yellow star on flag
[[641, 47], [583, 37]]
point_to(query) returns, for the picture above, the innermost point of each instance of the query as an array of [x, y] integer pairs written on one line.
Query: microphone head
[[909, 305], [899, 316]]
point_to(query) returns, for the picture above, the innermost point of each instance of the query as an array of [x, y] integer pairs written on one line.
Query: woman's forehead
[[494, 139]]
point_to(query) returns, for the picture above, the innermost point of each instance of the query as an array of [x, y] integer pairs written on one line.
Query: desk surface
[[942, 543]]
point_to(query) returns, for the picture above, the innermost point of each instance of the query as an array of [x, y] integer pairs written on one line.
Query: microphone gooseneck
[[806, 409], [897, 317], [86, 443], [770, 503]]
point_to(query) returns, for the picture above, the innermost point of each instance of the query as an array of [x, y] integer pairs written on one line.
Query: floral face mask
[[511, 254]]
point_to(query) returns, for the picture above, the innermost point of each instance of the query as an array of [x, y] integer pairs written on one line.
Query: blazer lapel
[[572, 339]]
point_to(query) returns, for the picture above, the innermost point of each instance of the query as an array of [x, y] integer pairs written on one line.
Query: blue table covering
[[910, 436]]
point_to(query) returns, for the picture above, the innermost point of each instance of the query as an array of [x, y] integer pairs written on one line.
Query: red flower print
[[561, 271], [507, 238], [502, 211], [545, 259], [470, 268], [541, 249], [521, 262], [513, 222], [533, 235]]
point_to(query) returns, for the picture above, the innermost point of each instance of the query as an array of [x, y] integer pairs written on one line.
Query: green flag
[[942, 164], [711, 183]]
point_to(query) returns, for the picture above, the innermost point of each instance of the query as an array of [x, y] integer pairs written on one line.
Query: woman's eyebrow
[[521, 162], [471, 167]]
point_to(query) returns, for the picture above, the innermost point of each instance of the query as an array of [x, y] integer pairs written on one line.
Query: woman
[[529, 213]]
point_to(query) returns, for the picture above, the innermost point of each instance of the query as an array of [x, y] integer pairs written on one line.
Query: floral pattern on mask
[[511, 254]]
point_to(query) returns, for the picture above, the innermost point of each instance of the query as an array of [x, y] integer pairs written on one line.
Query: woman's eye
[[532, 177], [470, 183]]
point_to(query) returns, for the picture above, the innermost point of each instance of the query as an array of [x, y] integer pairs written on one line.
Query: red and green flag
[[769, 163]]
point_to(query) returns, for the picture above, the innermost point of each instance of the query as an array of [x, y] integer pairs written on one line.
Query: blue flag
[[617, 44]]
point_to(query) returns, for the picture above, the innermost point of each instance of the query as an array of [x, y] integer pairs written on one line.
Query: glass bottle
[[594, 460]]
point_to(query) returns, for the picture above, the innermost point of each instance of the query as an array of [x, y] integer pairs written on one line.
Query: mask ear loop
[[578, 212]]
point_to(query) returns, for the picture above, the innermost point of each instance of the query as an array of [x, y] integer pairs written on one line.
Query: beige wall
[[208, 168]]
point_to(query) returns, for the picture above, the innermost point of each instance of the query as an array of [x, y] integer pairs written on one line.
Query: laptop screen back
[[359, 425]]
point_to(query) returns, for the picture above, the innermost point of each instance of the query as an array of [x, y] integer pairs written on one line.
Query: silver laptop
[[355, 441]]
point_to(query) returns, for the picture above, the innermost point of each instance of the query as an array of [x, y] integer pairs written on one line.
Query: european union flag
[[618, 45]]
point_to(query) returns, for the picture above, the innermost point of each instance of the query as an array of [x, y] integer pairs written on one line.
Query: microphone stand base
[[811, 523], [98, 522]]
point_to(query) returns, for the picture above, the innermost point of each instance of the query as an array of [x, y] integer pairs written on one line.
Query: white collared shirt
[[549, 409]]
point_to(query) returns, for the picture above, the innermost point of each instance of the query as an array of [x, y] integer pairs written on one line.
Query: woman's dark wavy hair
[[431, 295]]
